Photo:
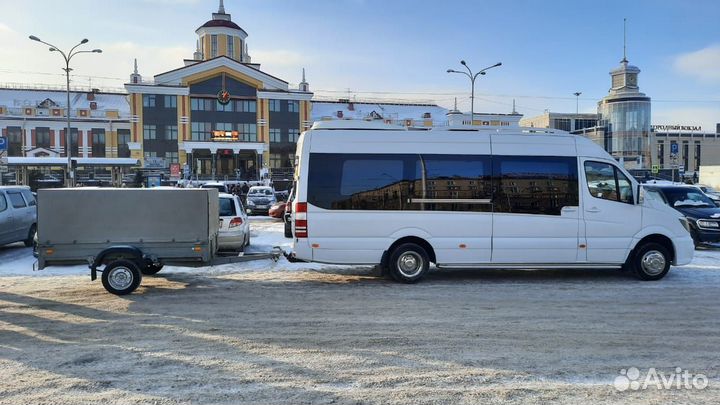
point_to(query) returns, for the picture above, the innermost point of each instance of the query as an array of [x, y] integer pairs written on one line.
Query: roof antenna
[[455, 104], [624, 41], [513, 111], [221, 10]]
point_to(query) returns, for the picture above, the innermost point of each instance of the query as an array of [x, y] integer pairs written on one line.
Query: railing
[[58, 87]]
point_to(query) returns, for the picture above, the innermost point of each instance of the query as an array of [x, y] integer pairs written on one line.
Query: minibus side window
[[540, 185], [607, 182]]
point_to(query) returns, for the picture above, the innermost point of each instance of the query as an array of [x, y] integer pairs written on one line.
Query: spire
[[198, 54], [135, 76], [455, 108], [304, 85], [513, 111], [221, 9], [624, 59]]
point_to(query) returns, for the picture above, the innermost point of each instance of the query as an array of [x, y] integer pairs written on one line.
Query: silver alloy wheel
[[120, 278], [653, 262], [410, 264]]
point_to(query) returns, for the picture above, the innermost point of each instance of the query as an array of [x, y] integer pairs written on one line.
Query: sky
[[398, 49]]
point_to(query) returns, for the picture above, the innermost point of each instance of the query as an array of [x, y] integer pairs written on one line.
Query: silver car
[[234, 226], [18, 215]]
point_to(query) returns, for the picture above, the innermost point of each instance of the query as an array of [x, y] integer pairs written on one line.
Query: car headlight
[[703, 223], [250, 202]]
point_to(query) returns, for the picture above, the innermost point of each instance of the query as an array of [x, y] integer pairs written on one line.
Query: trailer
[[127, 233]]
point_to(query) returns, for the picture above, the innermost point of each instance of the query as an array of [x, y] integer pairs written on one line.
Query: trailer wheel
[[151, 269], [408, 263], [121, 277]]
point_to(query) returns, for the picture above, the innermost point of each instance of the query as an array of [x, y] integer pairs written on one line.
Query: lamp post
[[577, 101], [472, 77], [69, 174]]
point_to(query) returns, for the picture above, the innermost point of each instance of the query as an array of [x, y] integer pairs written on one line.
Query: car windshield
[[260, 191], [708, 189], [687, 197], [227, 207]]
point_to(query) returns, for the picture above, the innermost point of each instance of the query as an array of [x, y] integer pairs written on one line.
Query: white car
[[234, 227], [260, 199], [221, 187]]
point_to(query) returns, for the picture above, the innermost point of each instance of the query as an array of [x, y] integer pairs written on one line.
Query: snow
[[266, 233]]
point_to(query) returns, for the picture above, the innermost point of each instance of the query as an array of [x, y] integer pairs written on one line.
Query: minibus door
[[611, 217]]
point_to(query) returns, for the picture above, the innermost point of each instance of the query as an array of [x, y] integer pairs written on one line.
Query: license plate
[[261, 206]]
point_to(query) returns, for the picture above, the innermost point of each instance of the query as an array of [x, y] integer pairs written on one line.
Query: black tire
[[31, 236], [121, 277], [651, 261], [408, 263], [288, 229], [151, 269]]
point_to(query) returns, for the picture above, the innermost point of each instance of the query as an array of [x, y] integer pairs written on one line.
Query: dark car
[[701, 212]]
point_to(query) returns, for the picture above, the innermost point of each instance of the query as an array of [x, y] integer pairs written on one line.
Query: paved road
[[320, 337]]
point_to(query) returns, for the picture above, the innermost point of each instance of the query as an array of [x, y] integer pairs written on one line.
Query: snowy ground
[[264, 332]]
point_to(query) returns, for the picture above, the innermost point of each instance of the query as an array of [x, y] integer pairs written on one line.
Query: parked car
[[277, 210], [234, 226], [220, 187], [260, 199], [18, 215], [700, 211], [711, 193]]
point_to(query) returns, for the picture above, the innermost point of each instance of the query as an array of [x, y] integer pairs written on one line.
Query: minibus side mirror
[[640, 197]]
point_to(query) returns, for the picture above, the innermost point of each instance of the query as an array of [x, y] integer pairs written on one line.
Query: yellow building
[[219, 116]]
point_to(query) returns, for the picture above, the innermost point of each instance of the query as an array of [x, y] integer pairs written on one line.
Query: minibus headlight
[[703, 223]]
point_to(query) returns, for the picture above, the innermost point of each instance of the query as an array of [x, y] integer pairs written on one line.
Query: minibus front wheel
[[408, 263], [651, 261]]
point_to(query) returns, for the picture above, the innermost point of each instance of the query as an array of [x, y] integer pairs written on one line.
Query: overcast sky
[[399, 49]]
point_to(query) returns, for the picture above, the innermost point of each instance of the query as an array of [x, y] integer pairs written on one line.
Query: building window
[[293, 135], [275, 160], [562, 124], [248, 132], [148, 100], [170, 101], [223, 126], [213, 46], [14, 141], [245, 106], [231, 46], [172, 157], [74, 148], [149, 132], [123, 140], [202, 104], [98, 142], [223, 107], [201, 131], [42, 138], [661, 153], [150, 154], [686, 155], [697, 156], [274, 105], [293, 106], [275, 135], [171, 132]]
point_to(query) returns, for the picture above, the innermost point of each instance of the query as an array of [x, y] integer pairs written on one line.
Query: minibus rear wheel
[[651, 261], [408, 263]]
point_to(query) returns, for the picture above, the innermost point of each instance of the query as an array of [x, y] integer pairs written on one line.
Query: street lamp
[[69, 175], [472, 77], [577, 101]]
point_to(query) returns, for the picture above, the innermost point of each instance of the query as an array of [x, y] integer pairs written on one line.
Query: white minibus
[[375, 194]]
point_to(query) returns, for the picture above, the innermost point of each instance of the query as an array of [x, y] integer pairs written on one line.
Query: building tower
[[222, 37], [304, 85], [135, 77], [625, 116]]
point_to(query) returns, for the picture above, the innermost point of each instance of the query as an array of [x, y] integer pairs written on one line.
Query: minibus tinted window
[[399, 182], [535, 184], [604, 180]]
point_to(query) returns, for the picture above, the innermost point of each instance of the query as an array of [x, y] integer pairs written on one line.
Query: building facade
[[34, 121], [563, 121], [694, 148], [219, 116]]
